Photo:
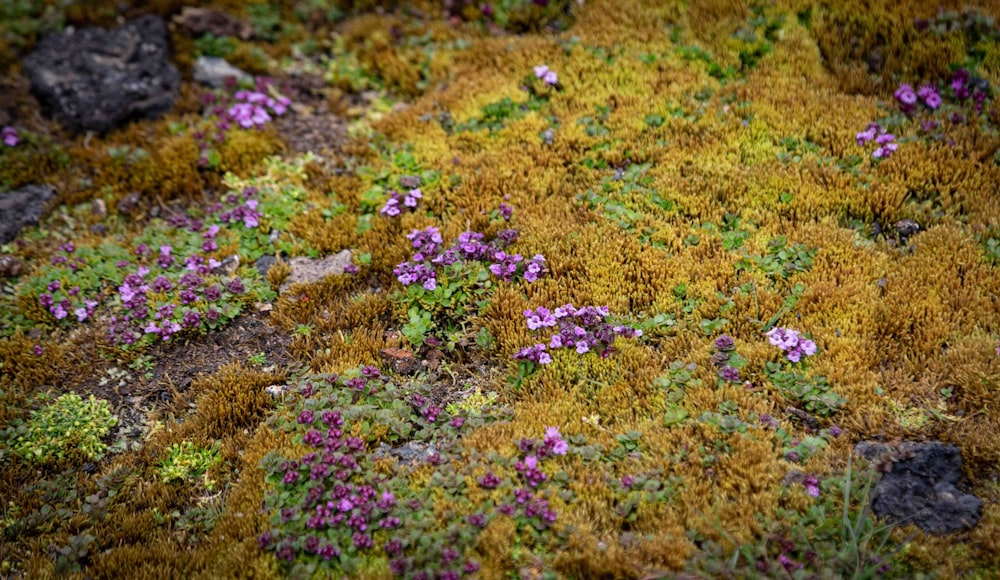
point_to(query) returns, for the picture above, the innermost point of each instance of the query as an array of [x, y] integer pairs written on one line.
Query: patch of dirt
[[177, 365], [133, 390], [310, 126]]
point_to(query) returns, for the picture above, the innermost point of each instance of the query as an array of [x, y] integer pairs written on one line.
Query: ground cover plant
[[625, 284]]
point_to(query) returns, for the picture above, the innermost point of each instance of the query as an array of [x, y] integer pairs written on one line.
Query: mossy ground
[[685, 139]]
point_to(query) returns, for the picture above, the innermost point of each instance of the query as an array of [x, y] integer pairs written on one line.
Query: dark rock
[[94, 79], [264, 263], [906, 228], [99, 229], [10, 266], [920, 486], [21, 208]]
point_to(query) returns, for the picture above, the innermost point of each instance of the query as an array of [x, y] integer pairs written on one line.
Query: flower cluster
[[393, 206], [546, 75], [254, 108], [963, 84], [726, 360], [582, 329], [789, 341], [331, 506], [882, 138], [192, 299], [811, 483], [907, 98], [470, 247], [246, 109], [9, 136]]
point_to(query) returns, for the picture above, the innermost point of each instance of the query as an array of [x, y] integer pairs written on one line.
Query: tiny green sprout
[[303, 330], [258, 359]]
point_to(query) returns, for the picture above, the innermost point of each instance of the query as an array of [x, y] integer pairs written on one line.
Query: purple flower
[[535, 354], [906, 97], [534, 267], [868, 134], [884, 151], [235, 286], [10, 136], [960, 83], [489, 481], [540, 318], [811, 484], [37, 350], [547, 75], [725, 343], [506, 212], [730, 374], [391, 207], [554, 441], [929, 95], [412, 197], [213, 293]]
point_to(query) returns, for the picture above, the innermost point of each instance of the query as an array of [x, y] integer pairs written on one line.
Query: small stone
[[228, 266], [99, 229], [549, 136], [409, 181], [21, 208], [308, 270], [213, 71], [98, 208], [906, 228], [128, 204], [10, 266], [401, 360], [264, 263]]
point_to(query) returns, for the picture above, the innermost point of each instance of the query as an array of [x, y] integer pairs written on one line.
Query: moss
[[676, 156]]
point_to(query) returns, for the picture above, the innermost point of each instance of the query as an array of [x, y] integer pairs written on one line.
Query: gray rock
[[21, 208], [94, 79], [308, 270], [213, 71], [922, 486], [264, 263], [409, 181]]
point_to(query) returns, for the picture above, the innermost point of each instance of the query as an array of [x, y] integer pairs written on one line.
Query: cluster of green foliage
[[67, 427], [186, 461]]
